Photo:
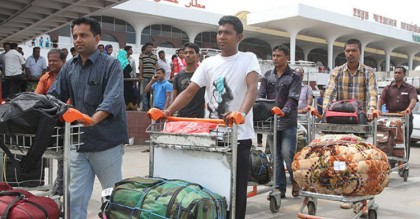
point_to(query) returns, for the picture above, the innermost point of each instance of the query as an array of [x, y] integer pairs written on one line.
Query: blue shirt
[[160, 88], [95, 86], [286, 91]]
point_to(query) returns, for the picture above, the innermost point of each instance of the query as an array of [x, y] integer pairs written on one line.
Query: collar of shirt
[[92, 58], [403, 84], [287, 71], [359, 69]]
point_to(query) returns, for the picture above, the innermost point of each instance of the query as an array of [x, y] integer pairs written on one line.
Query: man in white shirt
[[14, 65], [162, 63], [36, 65], [231, 80], [129, 50], [6, 47]]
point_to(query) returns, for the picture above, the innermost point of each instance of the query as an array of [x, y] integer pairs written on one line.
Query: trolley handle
[[407, 112], [232, 118], [73, 114], [315, 112], [277, 111]]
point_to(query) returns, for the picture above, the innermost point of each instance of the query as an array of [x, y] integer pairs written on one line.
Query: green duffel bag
[[156, 198]]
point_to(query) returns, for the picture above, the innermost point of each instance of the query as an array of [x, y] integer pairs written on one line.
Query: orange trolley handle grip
[[277, 111], [315, 112], [72, 115], [233, 117]]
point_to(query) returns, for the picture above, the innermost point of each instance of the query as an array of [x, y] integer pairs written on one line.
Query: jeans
[[286, 149], [106, 165], [146, 95]]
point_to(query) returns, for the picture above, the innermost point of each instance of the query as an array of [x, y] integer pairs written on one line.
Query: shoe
[[295, 189], [345, 205], [259, 145], [282, 194]]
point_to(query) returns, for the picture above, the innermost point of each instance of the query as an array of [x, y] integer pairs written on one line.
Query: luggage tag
[[339, 165], [107, 192]]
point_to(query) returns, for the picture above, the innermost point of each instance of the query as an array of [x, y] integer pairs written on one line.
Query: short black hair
[[235, 21], [95, 27], [6, 43], [99, 45], [283, 48], [403, 69], [353, 41], [192, 46], [161, 69], [72, 49], [148, 44], [59, 52], [126, 48], [13, 46], [160, 52], [36, 47]]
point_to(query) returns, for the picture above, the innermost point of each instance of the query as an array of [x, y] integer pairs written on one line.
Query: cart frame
[[367, 203], [402, 166], [269, 128], [203, 143], [64, 139]]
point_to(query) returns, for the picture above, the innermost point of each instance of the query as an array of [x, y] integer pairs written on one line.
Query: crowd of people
[[99, 85]]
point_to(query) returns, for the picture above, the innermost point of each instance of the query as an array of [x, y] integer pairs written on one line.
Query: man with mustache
[[352, 80]]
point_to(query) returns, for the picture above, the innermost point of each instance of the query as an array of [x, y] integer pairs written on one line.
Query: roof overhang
[[22, 20], [319, 23]]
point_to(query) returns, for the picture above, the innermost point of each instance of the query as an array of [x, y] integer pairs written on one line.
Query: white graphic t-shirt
[[225, 82]]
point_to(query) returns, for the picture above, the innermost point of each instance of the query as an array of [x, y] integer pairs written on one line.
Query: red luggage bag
[[21, 204]]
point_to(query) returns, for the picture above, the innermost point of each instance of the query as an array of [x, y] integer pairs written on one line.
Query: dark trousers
[[15, 84], [244, 148]]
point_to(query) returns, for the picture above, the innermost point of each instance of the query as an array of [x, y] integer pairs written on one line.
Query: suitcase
[[346, 112], [160, 198], [385, 140], [21, 204]]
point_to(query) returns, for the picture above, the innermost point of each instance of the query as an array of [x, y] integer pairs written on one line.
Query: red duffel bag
[[21, 204]]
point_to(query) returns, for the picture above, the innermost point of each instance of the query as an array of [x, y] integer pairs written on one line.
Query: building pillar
[[330, 42], [139, 30], [192, 35], [410, 61], [293, 34], [362, 53], [387, 59]]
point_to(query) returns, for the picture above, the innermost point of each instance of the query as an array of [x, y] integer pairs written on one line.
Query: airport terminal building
[[312, 34]]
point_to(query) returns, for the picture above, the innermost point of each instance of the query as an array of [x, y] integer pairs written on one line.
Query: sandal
[[295, 189]]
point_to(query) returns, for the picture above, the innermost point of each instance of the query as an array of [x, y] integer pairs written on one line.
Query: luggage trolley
[[268, 127], [207, 159], [401, 162], [364, 204], [308, 122], [63, 140]]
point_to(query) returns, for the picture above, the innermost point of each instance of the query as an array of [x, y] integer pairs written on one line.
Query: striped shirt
[[361, 86], [149, 65]]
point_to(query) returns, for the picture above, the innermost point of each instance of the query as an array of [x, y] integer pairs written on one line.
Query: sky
[[407, 11]]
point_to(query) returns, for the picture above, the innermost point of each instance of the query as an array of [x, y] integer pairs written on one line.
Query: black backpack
[[259, 168], [30, 113], [262, 109]]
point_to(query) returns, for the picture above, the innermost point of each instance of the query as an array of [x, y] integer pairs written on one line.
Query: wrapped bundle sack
[[341, 165]]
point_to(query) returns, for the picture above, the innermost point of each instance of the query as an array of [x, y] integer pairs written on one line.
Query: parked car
[[415, 136]]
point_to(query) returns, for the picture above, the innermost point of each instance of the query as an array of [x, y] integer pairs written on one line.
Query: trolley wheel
[[372, 214], [274, 207], [311, 208], [405, 175]]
